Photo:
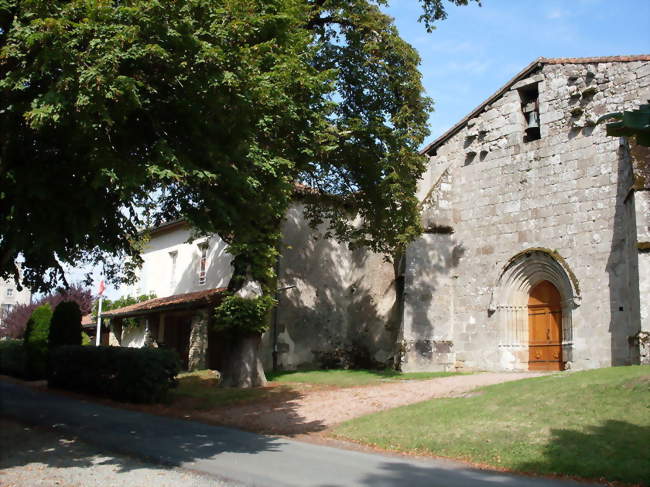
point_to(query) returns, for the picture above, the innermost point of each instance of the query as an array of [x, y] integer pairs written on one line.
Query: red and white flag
[[102, 287]]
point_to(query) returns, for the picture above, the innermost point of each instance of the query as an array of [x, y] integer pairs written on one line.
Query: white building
[[10, 296]]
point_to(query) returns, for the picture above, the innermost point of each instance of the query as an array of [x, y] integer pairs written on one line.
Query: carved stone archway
[[510, 303]]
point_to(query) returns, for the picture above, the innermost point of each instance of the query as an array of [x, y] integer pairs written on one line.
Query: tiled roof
[[521, 75], [170, 225], [87, 320], [178, 301], [590, 60]]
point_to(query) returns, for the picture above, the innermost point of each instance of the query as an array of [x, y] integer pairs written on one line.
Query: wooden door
[[545, 328], [177, 336]]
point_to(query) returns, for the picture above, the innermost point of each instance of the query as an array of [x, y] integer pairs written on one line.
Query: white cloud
[[557, 13]]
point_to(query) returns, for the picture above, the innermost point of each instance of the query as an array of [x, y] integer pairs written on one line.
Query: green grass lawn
[[348, 378], [200, 390], [592, 424]]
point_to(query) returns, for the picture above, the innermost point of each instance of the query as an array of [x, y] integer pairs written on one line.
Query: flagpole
[[99, 321]]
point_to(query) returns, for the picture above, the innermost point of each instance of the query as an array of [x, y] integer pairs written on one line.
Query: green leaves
[[207, 110], [243, 315], [630, 123]]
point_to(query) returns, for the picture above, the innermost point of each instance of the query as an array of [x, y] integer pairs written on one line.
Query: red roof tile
[[178, 301], [87, 320]]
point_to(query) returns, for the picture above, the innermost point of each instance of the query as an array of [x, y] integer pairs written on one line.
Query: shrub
[[14, 324], [12, 358], [85, 339], [123, 374], [65, 327], [36, 335], [243, 315]]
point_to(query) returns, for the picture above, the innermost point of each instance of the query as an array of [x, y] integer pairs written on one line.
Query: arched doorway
[[510, 303], [545, 328]]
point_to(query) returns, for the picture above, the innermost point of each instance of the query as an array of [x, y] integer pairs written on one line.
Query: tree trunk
[[243, 367]]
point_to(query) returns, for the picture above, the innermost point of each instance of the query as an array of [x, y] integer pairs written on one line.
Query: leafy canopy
[[116, 115]]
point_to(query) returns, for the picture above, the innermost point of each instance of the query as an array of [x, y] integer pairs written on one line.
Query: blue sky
[[478, 49]]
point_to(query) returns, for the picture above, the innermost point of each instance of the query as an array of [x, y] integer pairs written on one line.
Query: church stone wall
[[568, 191]]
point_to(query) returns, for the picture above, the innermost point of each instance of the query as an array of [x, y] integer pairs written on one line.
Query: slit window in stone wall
[[530, 107]]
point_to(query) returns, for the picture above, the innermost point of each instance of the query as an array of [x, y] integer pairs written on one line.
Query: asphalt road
[[238, 456]]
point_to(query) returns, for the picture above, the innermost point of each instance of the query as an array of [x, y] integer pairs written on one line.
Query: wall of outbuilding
[[343, 303]]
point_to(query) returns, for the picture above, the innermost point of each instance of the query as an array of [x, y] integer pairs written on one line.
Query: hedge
[[65, 325], [35, 340], [13, 359], [123, 374]]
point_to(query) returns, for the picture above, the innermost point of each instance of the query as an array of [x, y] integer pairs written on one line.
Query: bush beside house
[[36, 337], [15, 323], [123, 374], [65, 328], [12, 358]]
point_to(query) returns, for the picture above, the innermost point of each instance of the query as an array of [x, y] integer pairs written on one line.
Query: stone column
[[115, 332], [149, 340], [198, 341]]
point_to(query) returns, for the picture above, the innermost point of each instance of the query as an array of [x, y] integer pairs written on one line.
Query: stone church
[[536, 251]]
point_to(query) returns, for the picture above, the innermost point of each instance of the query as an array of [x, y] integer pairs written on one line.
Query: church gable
[[529, 169]]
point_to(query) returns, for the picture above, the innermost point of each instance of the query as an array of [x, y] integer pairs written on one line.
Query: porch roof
[[196, 299]]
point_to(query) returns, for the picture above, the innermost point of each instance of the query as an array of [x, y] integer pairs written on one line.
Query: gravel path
[[36, 457], [318, 410]]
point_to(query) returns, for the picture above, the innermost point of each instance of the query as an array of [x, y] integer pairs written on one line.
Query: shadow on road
[[162, 440]]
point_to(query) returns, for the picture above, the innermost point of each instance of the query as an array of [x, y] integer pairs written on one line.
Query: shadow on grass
[[615, 450]]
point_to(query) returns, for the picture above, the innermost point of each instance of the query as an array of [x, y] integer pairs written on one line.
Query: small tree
[[36, 337], [65, 328], [13, 326]]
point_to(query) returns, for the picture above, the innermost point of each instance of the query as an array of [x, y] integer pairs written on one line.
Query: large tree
[[115, 115]]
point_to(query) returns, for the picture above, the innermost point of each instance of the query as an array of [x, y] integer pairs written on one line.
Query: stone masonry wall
[[342, 300], [567, 192]]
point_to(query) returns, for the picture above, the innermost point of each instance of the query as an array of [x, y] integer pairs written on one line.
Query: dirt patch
[[318, 410]]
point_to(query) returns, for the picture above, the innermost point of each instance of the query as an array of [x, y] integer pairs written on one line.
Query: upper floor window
[[172, 276], [10, 291], [203, 263]]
